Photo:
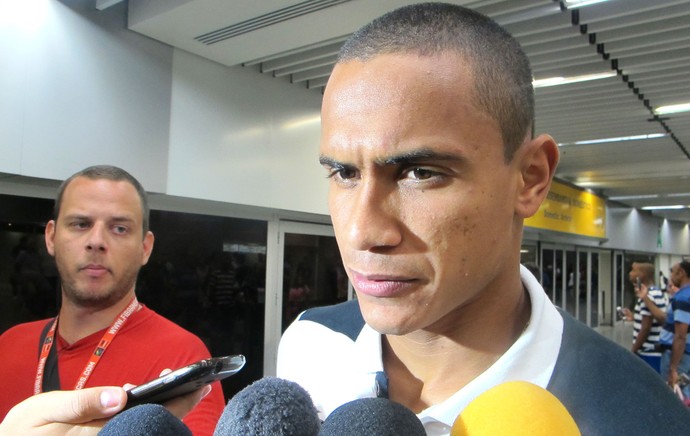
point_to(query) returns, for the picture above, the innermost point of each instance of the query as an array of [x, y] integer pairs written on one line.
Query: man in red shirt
[[102, 336]]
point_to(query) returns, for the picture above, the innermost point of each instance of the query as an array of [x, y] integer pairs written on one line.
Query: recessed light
[[668, 207], [616, 139], [555, 81], [571, 4], [633, 197], [672, 109]]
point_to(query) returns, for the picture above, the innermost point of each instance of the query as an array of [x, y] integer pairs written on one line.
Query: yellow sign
[[571, 210]]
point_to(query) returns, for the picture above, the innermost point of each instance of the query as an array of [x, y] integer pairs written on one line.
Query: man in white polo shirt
[[427, 141]]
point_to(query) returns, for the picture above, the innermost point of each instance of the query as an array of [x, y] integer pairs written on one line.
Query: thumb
[[75, 407]]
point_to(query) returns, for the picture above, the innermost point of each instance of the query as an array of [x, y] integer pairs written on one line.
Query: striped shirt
[[679, 311], [657, 296]]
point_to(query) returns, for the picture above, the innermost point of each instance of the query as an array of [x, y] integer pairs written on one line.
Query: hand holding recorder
[[88, 410], [185, 380]]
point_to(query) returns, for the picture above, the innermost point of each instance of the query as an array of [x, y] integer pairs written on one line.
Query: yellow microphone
[[515, 408]]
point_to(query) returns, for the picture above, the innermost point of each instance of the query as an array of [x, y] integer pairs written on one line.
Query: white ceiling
[[646, 43]]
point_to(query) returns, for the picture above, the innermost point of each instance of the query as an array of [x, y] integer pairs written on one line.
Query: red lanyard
[[107, 339]]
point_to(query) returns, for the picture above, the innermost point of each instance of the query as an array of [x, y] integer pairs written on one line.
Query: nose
[[96, 238], [373, 221]]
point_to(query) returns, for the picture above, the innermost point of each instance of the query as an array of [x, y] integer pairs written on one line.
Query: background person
[[646, 328], [102, 336], [675, 343]]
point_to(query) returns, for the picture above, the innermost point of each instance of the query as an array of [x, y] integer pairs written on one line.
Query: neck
[[423, 367], [78, 322]]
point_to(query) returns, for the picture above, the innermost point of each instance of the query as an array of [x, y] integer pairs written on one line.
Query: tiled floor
[[620, 332]]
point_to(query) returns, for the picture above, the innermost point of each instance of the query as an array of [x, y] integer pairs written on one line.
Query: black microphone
[[270, 407], [145, 420], [372, 417]]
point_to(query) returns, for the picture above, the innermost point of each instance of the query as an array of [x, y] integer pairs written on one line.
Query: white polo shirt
[[338, 366]]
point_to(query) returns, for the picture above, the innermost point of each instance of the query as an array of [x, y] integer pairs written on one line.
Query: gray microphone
[[372, 417], [145, 420], [270, 407]]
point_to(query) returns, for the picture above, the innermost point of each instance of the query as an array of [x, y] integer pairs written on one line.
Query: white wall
[[630, 229], [675, 237], [79, 89], [241, 137]]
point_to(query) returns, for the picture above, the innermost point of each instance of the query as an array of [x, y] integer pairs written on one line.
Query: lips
[[94, 270], [381, 285]]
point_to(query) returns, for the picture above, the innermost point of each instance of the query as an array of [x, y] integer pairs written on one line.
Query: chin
[[398, 322], [387, 323], [387, 329], [94, 298]]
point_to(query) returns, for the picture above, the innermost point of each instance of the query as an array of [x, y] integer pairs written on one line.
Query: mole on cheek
[[467, 226]]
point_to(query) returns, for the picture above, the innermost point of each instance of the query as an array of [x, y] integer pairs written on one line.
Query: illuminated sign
[[571, 210]]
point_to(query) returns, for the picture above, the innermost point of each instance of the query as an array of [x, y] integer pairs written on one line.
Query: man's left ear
[[538, 159]]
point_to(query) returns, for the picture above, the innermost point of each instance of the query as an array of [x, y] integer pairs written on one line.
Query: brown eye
[[79, 224], [342, 173], [347, 173], [421, 174]]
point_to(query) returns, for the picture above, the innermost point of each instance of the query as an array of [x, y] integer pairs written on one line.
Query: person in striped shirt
[[646, 328]]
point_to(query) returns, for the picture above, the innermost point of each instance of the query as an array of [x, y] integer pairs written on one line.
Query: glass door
[[607, 291], [571, 280], [586, 284], [306, 271], [619, 280], [557, 266]]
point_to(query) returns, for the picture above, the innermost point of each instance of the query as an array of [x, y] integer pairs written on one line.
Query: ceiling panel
[[645, 43]]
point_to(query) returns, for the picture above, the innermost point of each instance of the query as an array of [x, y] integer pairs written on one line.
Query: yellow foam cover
[[515, 408]]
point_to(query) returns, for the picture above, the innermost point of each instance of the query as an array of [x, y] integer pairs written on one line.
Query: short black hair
[[646, 268], [107, 172], [685, 265], [501, 70]]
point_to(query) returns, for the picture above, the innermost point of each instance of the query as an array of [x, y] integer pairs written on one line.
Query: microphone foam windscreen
[[372, 417], [270, 407], [145, 420], [515, 408]]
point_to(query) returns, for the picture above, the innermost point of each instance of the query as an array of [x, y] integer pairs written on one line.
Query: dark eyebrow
[[415, 156], [84, 217], [122, 219], [403, 159], [327, 161], [76, 216]]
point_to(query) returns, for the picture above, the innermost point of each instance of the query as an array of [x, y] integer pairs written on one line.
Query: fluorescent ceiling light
[[669, 207], [554, 81], [672, 109], [618, 139], [648, 196], [571, 4], [634, 197], [587, 183]]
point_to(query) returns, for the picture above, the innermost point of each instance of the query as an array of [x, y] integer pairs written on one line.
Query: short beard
[[95, 302], [104, 300]]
